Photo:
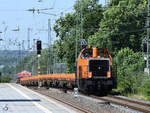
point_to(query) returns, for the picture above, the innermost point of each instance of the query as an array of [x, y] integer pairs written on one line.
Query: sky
[[14, 16]]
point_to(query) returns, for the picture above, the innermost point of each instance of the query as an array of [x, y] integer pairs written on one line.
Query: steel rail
[[122, 104], [132, 101], [108, 100], [67, 103]]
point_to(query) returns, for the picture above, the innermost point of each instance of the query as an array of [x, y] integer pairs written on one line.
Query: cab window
[[101, 52], [87, 53], [106, 54]]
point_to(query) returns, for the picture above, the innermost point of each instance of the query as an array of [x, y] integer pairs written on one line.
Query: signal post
[[39, 47], [145, 51]]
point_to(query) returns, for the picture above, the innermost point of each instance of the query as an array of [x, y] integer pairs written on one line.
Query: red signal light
[[144, 47], [39, 47]]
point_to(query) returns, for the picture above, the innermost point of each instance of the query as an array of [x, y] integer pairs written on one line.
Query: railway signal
[[83, 44], [145, 47], [145, 51], [39, 47]]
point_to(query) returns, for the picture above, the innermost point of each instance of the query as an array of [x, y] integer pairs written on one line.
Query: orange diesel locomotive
[[94, 73]]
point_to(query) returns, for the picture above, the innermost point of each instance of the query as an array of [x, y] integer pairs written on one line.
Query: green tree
[[80, 24], [5, 79], [130, 67], [122, 26]]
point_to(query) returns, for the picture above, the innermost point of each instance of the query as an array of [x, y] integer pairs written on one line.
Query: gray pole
[[34, 58], [76, 52], [54, 53], [148, 15], [22, 55], [76, 46], [49, 45], [28, 38], [81, 18]]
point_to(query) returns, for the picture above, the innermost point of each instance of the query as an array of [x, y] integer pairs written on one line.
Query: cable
[[65, 10], [11, 10], [54, 4]]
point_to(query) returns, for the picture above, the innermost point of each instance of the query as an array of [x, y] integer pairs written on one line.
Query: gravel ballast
[[85, 102]]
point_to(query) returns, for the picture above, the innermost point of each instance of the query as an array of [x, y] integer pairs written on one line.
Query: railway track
[[67, 103], [132, 104], [128, 103]]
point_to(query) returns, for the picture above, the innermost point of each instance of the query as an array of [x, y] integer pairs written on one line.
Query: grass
[[140, 97]]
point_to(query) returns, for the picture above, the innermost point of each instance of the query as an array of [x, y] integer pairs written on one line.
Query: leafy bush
[[5, 79], [145, 89], [130, 66]]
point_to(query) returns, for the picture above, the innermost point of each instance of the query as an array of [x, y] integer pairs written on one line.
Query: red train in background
[[23, 74], [94, 73]]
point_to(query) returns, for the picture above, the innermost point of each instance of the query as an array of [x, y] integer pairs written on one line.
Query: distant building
[[59, 68]]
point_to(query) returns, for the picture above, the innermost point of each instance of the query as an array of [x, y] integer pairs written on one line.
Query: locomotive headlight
[[108, 74], [99, 67], [89, 74]]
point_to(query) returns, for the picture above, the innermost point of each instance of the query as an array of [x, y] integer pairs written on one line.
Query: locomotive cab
[[94, 70]]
